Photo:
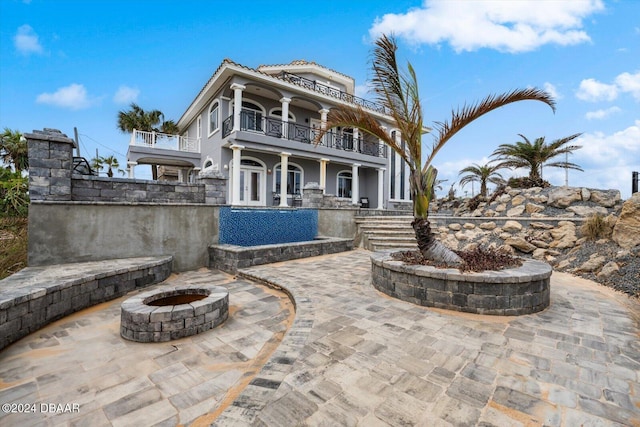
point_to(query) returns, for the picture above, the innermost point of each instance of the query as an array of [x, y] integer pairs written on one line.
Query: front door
[[251, 186]]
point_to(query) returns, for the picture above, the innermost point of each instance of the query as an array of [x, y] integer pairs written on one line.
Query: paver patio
[[351, 356]]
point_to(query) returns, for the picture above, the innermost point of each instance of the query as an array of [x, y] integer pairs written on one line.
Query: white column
[[381, 188], [356, 137], [396, 178], [235, 178], [237, 105], [285, 116], [355, 184], [323, 175], [284, 169], [132, 166], [323, 124]]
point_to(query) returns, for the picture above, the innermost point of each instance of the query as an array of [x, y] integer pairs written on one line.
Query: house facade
[[250, 125]]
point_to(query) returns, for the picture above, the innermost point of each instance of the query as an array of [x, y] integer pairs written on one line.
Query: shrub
[[526, 182], [597, 227], [13, 245], [14, 196]]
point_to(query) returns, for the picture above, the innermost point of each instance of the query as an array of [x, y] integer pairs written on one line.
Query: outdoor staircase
[[378, 233]]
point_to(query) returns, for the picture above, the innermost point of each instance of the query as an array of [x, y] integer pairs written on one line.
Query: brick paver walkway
[[351, 357]]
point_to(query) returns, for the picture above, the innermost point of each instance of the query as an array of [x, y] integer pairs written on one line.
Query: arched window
[[294, 179], [277, 112], [214, 117], [344, 184], [207, 163]]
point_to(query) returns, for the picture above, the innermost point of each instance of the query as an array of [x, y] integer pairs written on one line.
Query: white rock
[[487, 226], [586, 194], [533, 208], [608, 270], [512, 226], [587, 210], [455, 226], [469, 226], [518, 200], [517, 211]]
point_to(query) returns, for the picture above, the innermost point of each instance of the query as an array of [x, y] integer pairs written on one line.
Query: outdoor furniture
[[364, 202]]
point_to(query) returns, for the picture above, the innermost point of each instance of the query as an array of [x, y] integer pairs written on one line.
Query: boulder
[[539, 254], [455, 226], [512, 226], [586, 194], [608, 270], [505, 198], [587, 210], [520, 244], [540, 244], [563, 197], [626, 232], [592, 264], [533, 208], [501, 207], [487, 226], [461, 237], [518, 200], [539, 198], [606, 198], [564, 236], [517, 211], [469, 226], [541, 225]]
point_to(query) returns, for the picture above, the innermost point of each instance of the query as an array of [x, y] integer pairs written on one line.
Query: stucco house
[[250, 124]]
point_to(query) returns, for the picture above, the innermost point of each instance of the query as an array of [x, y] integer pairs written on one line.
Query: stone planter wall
[[509, 292]]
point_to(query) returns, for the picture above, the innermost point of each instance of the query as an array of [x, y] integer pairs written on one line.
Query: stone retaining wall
[[98, 189], [509, 292], [36, 296], [230, 258]]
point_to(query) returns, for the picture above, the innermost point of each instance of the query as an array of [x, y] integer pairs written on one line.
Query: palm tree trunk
[[431, 248]]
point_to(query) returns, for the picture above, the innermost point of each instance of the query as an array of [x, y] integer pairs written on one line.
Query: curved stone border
[[509, 292], [146, 323]]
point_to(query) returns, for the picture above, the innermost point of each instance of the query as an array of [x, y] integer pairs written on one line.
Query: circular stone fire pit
[[170, 313]]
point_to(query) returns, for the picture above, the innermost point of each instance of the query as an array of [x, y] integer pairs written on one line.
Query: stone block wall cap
[[48, 134]]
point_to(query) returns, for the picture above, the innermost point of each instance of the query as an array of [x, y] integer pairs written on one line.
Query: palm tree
[[112, 163], [398, 93], [97, 164], [148, 121], [484, 174], [524, 154], [13, 150]]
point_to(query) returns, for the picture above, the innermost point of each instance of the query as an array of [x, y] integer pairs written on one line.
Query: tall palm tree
[[484, 174], [13, 150], [398, 93], [524, 154]]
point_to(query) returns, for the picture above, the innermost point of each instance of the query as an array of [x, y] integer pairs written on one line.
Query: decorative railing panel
[[164, 141]]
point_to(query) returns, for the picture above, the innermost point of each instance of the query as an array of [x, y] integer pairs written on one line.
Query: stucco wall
[[337, 222], [63, 232]]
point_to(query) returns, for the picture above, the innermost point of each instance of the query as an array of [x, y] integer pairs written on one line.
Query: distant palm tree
[[13, 150], [398, 93], [484, 174], [112, 163], [524, 154], [97, 164]]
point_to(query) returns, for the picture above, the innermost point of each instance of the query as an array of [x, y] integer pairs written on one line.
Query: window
[[277, 112], [214, 117], [251, 116], [199, 127], [344, 184], [208, 163], [294, 179]]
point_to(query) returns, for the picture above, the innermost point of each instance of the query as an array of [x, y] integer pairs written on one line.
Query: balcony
[[164, 141], [274, 127], [332, 92]]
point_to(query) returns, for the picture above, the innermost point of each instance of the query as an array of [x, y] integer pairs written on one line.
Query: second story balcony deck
[[275, 127], [163, 141]]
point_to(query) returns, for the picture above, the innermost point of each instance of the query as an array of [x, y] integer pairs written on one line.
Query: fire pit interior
[[166, 314]]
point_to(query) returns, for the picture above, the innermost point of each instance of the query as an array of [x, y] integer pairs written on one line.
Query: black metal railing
[[331, 91], [275, 127]]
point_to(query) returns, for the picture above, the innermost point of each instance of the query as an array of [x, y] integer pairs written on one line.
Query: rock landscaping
[[549, 225]]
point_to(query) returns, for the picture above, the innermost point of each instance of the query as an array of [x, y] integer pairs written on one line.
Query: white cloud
[[548, 87], [629, 83], [622, 147], [26, 41], [73, 97], [126, 95], [508, 26], [363, 91], [602, 114], [593, 91]]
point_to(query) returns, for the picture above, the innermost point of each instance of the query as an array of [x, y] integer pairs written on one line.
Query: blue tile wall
[[253, 227]]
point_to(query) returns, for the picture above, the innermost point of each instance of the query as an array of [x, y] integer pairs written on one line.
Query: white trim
[[263, 179], [209, 131], [350, 172], [292, 117]]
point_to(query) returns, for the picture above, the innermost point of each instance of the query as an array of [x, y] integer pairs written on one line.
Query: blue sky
[[67, 64]]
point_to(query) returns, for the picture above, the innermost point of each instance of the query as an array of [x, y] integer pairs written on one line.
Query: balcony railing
[[335, 139], [164, 141], [331, 91]]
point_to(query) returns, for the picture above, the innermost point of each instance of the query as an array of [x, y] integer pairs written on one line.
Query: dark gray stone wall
[[230, 258], [31, 298], [509, 292], [50, 164], [99, 189]]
